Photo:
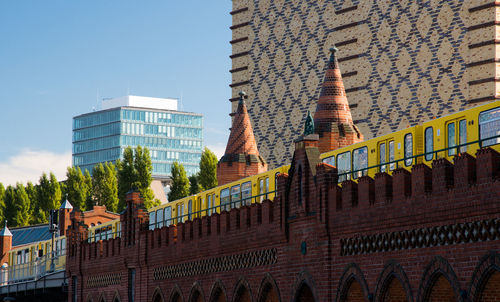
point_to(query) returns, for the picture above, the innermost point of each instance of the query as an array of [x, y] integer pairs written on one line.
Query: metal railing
[[414, 158], [212, 210], [34, 269]]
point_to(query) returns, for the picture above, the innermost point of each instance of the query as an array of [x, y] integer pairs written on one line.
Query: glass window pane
[[190, 209], [462, 134], [391, 155], [429, 143], [382, 156], [408, 149], [489, 126], [152, 221], [360, 162], [225, 199], [451, 139], [344, 165], [159, 218], [330, 160], [246, 193], [235, 197]]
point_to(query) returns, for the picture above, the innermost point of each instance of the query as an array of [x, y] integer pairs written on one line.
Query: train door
[[198, 207], [344, 165], [225, 199], [246, 193], [386, 154], [159, 218], [152, 220], [360, 162], [235, 196], [489, 126], [456, 135], [263, 184], [190, 209], [168, 216]]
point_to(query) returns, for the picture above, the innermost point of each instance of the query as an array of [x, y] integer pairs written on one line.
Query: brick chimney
[[333, 119], [241, 158], [64, 217], [5, 243]]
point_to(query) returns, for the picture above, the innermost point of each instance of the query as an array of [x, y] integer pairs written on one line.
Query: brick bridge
[[429, 235]]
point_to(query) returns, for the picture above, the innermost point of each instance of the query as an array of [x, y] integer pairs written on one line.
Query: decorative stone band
[[218, 264], [104, 280], [242, 158], [484, 230]]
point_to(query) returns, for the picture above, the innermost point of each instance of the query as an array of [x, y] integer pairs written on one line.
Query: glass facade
[[169, 135]]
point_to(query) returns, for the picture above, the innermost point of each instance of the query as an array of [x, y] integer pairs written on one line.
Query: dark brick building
[[429, 235]]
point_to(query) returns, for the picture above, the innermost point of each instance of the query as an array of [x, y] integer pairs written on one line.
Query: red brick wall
[[335, 235], [491, 291]]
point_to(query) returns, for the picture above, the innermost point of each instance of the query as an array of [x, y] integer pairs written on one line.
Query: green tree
[[126, 176], [105, 186], [194, 184], [144, 169], [10, 200], [2, 202], [37, 214], [78, 187], [208, 170], [49, 194], [180, 182], [21, 207]]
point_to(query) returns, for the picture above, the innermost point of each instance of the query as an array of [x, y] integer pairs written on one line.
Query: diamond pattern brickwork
[[403, 62]]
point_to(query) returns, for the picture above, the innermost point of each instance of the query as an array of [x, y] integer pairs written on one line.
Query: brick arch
[[393, 284], [439, 279], [116, 297], [176, 295], [352, 285], [486, 278], [304, 288], [218, 292], [102, 298], [157, 295], [89, 298], [242, 292], [196, 294], [268, 291]]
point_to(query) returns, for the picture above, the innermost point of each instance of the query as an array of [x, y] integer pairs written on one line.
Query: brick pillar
[[5, 244]]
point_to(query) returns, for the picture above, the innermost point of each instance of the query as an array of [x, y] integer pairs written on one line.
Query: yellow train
[[444, 137], [32, 260]]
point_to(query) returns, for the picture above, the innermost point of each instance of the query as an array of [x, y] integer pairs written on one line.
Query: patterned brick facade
[[403, 62], [431, 234]]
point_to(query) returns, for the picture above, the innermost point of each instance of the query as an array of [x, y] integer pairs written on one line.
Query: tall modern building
[[170, 135], [403, 62]]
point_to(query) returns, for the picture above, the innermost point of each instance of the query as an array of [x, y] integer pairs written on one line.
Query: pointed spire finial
[[6, 222], [309, 125], [333, 57], [242, 95]]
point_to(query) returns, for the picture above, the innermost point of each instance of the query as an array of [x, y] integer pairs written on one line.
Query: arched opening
[[218, 296], [440, 291], [116, 299], [242, 295], [354, 292], [102, 299], [157, 297], [176, 298], [269, 294], [491, 288], [394, 291], [304, 294], [196, 297]]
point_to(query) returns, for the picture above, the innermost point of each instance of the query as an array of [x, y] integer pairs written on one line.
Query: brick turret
[[5, 244], [241, 158], [333, 119], [64, 216]]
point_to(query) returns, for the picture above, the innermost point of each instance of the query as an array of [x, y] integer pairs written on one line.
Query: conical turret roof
[[5, 231], [333, 119], [241, 140]]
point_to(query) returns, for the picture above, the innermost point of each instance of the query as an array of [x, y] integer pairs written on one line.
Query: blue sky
[[57, 57]]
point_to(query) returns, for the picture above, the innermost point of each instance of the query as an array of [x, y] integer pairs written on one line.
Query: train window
[[381, 156], [190, 209], [198, 208], [391, 155], [429, 143], [152, 220], [330, 160], [276, 181], [209, 204], [235, 197], [246, 193], [224, 199], [19, 257], [267, 186], [489, 126], [408, 149], [462, 134], [451, 139], [261, 189], [159, 218], [180, 212], [360, 161], [168, 216], [213, 204], [344, 165]]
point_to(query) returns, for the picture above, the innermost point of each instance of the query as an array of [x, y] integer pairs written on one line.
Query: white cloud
[[29, 165], [218, 149]]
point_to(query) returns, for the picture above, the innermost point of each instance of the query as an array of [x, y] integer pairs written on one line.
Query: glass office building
[[170, 135]]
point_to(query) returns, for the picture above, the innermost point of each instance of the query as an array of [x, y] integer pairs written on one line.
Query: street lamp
[[53, 228]]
